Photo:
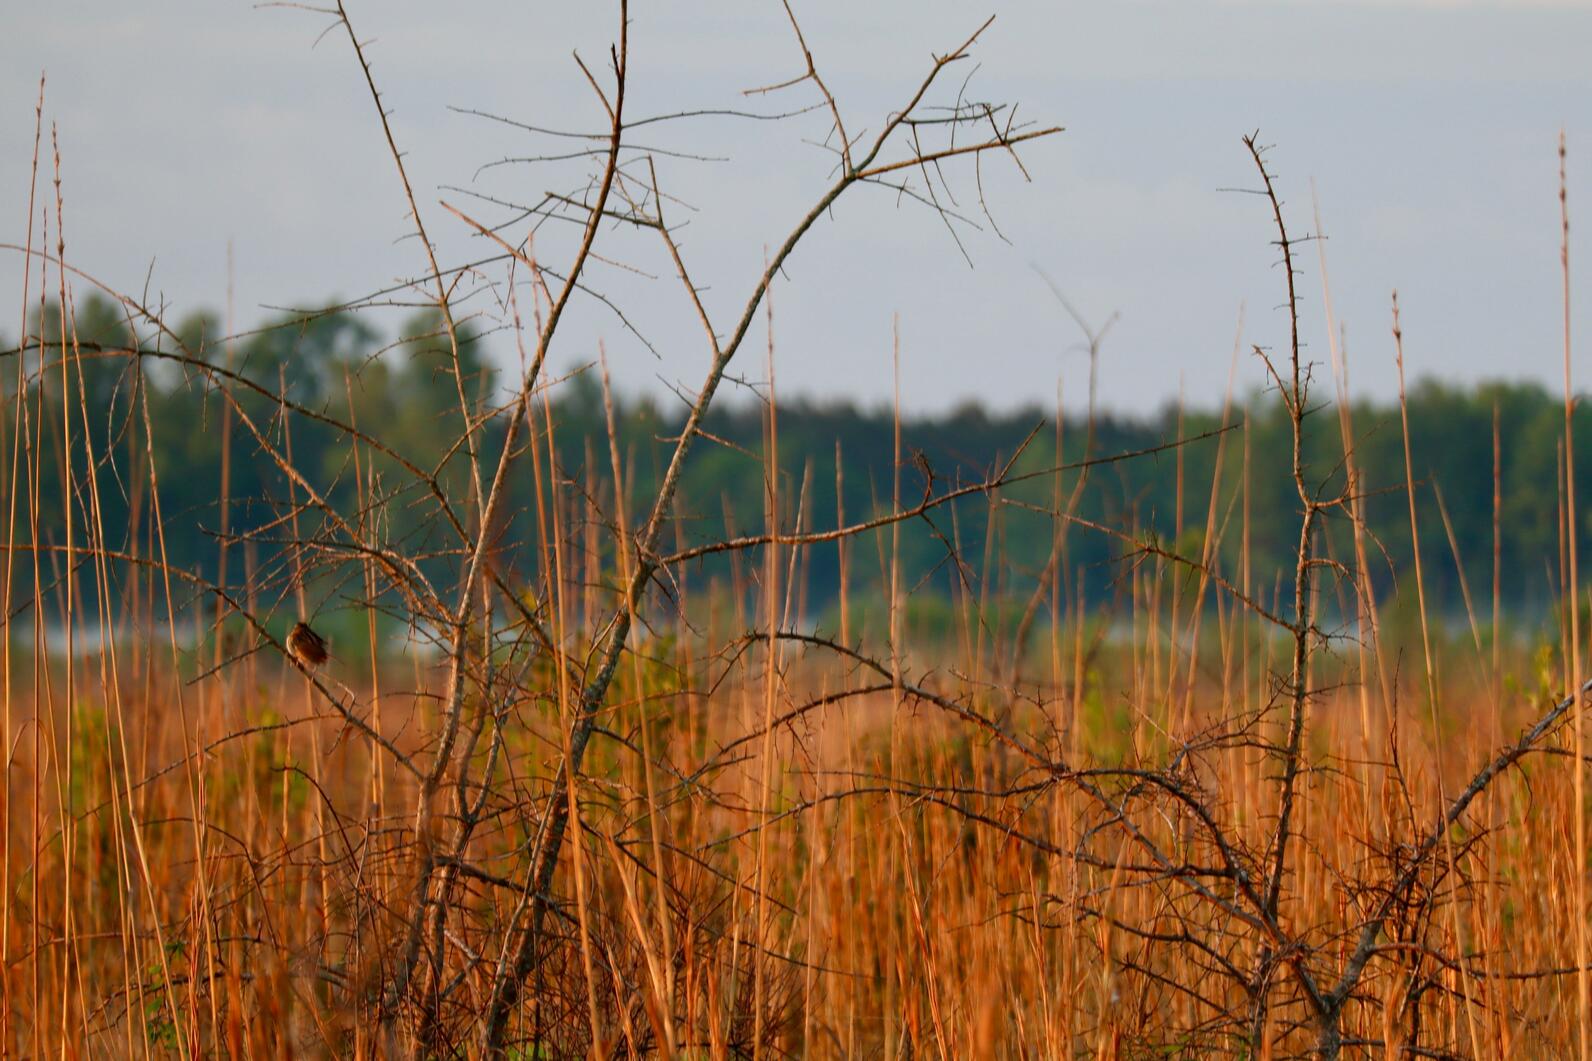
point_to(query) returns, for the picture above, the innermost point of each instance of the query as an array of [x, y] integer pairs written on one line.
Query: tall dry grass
[[216, 881]]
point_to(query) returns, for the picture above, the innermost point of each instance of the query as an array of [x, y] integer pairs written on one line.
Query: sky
[[1424, 133]]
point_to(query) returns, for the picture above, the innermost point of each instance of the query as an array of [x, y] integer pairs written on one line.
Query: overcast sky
[[1428, 131]]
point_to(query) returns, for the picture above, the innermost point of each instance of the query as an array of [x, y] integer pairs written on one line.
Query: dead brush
[[617, 801]]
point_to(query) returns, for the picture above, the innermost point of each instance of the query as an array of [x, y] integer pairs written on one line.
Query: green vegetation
[[335, 364]]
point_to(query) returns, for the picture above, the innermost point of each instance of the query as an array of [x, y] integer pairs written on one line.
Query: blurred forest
[[400, 390]]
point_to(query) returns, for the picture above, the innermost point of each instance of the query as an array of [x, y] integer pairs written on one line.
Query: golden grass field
[[195, 870]]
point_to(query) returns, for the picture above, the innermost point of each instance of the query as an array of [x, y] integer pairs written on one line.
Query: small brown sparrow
[[306, 646]]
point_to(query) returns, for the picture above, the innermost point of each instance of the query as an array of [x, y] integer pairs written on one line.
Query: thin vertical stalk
[[568, 704], [663, 963], [771, 603], [1583, 1002], [1426, 648], [18, 440], [1497, 572]]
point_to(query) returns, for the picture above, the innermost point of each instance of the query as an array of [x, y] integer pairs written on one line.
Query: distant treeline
[[402, 391]]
